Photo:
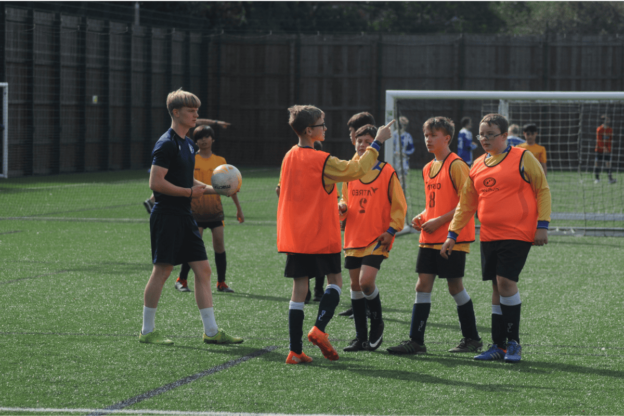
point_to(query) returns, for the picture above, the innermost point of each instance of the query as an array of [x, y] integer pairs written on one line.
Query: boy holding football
[[308, 229], [443, 178], [508, 189], [375, 206], [174, 235], [208, 210]]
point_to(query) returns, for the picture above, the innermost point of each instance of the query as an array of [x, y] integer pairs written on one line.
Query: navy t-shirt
[[178, 156]]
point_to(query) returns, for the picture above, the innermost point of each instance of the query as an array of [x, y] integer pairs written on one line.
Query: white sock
[[357, 294], [372, 295], [210, 325], [462, 298], [149, 318], [496, 310], [335, 287], [511, 300], [423, 297], [296, 305]]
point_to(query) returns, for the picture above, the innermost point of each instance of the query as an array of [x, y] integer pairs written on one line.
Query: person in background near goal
[[465, 144], [508, 189], [513, 139], [319, 278], [375, 207], [208, 210], [175, 238], [604, 137], [149, 202], [356, 122], [308, 229], [530, 134], [443, 178], [404, 147]]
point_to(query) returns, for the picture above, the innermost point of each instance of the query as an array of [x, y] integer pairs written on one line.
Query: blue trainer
[[493, 353], [514, 352]]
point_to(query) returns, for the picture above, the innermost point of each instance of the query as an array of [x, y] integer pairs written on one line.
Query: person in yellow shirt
[[530, 132], [514, 207], [443, 178], [208, 210], [375, 206]]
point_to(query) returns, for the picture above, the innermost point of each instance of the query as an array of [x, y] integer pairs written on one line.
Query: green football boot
[[154, 337], [222, 338]]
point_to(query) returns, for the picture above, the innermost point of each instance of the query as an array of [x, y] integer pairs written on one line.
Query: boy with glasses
[[508, 189]]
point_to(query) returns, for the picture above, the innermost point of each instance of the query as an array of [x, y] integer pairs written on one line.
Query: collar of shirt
[[505, 151], [377, 166]]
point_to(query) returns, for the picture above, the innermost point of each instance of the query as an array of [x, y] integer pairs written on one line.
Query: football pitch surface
[[73, 271]]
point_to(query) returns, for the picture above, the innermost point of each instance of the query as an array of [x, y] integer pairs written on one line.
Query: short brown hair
[[515, 129], [303, 116], [361, 119], [180, 98], [498, 120], [202, 131], [368, 129], [440, 123]]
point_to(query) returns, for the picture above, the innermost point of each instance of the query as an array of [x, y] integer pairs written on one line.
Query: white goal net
[[587, 186]]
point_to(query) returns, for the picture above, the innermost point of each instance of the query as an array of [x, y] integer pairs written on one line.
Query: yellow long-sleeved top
[[338, 170], [398, 208], [531, 171], [459, 175]]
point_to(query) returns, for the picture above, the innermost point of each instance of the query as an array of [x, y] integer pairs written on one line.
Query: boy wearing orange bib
[[443, 178], [375, 206], [308, 230], [508, 189]]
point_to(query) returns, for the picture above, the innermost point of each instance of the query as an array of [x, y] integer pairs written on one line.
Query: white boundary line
[[144, 412]]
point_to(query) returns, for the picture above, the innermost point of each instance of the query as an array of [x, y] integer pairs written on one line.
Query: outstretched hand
[[384, 132]]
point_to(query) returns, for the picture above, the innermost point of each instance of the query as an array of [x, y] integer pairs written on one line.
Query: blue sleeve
[[164, 153], [460, 142]]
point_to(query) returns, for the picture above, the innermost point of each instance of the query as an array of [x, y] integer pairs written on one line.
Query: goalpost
[[5, 130], [567, 123]]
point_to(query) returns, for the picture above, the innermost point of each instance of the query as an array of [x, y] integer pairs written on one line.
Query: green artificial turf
[[72, 277]]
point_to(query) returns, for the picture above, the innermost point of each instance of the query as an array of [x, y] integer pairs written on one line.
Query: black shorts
[[357, 262], [603, 157], [307, 265], [504, 258], [175, 239], [209, 224], [431, 262]]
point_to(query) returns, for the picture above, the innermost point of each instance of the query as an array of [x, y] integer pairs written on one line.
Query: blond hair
[[303, 116], [180, 98]]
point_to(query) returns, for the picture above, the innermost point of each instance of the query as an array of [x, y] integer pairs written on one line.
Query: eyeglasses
[[486, 137], [318, 125]]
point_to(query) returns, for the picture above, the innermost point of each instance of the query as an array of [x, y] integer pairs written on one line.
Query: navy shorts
[[603, 157], [209, 224], [431, 262], [175, 239], [357, 262], [308, 265], [504, 258]]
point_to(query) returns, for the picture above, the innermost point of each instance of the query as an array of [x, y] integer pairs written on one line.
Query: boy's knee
[[367, 288]]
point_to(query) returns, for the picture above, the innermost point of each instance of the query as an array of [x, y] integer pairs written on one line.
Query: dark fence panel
[[88, 93]]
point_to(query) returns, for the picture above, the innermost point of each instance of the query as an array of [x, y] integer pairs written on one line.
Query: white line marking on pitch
[[145, 412]]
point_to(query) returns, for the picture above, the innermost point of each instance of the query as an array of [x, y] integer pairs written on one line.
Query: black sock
[[498, 335], [318, 283], [184, 271], [511, 319], [359, 318], [221, 266], [374, 306], [295, 330], [467, 321], [328, 304], [420, 314]]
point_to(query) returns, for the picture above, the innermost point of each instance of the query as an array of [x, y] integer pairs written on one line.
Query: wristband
[[391, 231], [542, 224], [452, 235], [376, 145]]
